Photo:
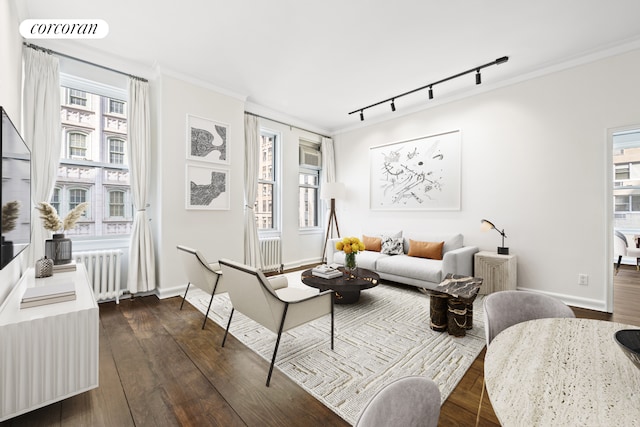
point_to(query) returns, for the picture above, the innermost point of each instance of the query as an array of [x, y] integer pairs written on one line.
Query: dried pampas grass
[[10, 214], [50, 219], [73, 216]]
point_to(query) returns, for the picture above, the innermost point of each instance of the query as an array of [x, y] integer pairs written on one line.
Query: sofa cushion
[[364, 259], [431, 250], [451, 241], [372, 243], [392, 246], [429, 270]]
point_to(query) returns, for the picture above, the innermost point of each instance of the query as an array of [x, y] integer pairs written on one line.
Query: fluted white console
[[49, 352]]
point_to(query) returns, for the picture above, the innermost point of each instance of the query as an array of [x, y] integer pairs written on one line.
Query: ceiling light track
[[430, 86]]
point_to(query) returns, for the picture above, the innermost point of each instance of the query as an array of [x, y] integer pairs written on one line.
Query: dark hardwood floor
[[158, 368]]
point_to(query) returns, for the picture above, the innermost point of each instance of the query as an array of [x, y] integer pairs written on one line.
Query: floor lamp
[[331, 191]]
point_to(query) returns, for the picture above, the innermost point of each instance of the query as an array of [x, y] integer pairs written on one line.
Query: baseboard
[[174, 291], [588, 303]]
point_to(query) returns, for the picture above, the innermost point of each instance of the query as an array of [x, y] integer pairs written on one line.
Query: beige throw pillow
[[431, 250]]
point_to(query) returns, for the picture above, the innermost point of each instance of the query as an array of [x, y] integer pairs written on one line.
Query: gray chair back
[[507, 308], [408, 402]]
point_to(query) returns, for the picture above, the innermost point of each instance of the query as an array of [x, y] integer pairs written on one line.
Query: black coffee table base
[[346, 288], [346, 297]]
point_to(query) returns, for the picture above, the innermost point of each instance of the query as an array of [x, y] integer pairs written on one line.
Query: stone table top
[[458, 286], [562, 372]]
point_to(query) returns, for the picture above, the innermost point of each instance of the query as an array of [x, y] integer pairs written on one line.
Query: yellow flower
[[350, 245], [347, 249], [339, 245]]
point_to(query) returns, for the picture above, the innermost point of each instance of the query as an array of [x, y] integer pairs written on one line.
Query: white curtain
[[142, 276], [41, 124], [328, 174], [252, 255]]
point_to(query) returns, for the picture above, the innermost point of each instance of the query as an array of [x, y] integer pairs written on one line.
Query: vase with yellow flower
[[350, 246]]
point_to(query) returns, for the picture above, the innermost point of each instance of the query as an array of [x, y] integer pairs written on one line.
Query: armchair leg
[[275, 350], [228, 323], [332, 323], [185, 295], [215, 286], [618, 264]]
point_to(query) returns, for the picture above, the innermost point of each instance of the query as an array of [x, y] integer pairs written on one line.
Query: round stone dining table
[[562, 372]]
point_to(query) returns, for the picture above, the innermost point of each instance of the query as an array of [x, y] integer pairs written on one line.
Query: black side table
[[451, 304]]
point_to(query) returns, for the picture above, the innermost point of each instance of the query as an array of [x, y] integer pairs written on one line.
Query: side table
[[451, 304], [498, 271]]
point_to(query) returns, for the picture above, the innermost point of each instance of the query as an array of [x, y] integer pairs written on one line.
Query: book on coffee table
[[326, 272]]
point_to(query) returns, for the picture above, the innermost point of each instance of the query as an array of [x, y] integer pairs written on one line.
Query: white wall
[[10, 99], [533, 162], [217, 234]]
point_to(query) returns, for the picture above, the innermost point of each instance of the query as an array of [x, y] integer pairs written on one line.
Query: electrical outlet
[[583, 279]]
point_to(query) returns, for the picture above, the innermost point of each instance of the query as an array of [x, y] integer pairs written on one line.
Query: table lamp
[[486, 225], [331, 191]]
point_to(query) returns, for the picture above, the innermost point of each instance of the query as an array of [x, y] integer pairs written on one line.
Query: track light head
[[362, 115], [502, 60], [478, 77], [430, 92], [393, 105]]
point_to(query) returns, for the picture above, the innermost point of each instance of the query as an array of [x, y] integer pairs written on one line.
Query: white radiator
[[103, 268], [271, 252]]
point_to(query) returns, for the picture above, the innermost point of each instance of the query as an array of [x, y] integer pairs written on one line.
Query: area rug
[[383, 337]]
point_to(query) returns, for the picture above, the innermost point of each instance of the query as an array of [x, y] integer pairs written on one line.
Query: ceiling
[[316, 61]]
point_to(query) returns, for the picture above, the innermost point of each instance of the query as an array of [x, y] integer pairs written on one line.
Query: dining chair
[[507, 308], [272, 303], [621, 248], [201, 274], [409, 402]]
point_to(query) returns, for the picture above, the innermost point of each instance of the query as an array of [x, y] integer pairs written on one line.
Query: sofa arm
[[459, 261], [331, 249]]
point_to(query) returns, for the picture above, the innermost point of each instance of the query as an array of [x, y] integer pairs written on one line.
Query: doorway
[[625, 220]]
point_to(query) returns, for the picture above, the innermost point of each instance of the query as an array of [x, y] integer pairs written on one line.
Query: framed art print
[[207, 140], [417, 174], [207, 188]]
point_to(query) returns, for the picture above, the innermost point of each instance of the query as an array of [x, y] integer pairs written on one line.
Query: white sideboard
[[49, 352], [498, 271]]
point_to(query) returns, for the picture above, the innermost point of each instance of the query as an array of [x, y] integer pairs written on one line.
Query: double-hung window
[[309, 186], [267, 196]]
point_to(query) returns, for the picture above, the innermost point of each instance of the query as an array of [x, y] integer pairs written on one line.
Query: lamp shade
[[332, 190], [486, 225]]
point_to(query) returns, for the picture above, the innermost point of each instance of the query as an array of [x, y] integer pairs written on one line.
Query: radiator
[[103, 268], [271, 252]]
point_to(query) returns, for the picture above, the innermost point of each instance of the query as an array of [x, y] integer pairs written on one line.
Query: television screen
[[15, 196]]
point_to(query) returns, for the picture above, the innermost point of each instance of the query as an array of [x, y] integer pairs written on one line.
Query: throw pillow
[[431, 250], [372, 243], [391, 246]]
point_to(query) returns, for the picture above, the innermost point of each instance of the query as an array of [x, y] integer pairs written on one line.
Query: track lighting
[[501, 60]]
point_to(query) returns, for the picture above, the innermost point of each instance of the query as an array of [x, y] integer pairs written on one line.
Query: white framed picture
[[207, 188], [417, 174], [207, 140]]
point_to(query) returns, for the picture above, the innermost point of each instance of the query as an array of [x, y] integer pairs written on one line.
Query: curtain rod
[[286, 124], [52, 52]]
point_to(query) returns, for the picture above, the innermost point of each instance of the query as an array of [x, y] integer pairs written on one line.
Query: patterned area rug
[[383, 337]]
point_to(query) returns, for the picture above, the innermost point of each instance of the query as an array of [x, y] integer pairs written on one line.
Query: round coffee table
[[346, 288]]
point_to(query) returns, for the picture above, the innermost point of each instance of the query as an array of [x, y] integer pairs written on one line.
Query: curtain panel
[[252, 254], [142, 275], [42, 130]]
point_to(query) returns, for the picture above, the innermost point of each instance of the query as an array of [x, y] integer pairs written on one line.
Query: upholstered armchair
[[201, 274], [277, 308], [621, 248]]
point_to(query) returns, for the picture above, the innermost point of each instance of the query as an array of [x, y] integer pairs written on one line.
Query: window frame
[[276, 186]]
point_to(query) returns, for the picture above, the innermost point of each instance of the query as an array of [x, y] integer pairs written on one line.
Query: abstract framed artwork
[[207, 188], [207, 140], [417, 174]]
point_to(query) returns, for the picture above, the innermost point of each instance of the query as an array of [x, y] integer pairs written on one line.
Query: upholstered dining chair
[[201, 274], [409, 402], [621, 248], [272, 303], [506, 308]]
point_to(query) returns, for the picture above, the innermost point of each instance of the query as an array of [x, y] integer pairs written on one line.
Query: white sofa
[[412, 270]]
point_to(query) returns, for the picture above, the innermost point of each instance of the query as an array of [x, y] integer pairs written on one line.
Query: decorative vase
[[58, 249], [7, 252], [44, 267], [350, 264]]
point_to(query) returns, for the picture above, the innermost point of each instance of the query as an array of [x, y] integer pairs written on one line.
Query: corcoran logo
[[64, 29]]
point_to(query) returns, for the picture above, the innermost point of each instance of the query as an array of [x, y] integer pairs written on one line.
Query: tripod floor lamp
[[331, 191]]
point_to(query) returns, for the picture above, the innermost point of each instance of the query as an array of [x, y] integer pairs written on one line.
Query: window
[[116, 151], [93, 167], [308, 198], [267, 184], [77, 97], [77, 144], [116, 107], [116, 203]]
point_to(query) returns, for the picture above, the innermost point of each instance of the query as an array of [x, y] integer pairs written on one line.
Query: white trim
[[572, 300], [86, 85]]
